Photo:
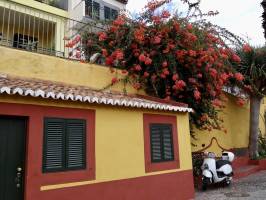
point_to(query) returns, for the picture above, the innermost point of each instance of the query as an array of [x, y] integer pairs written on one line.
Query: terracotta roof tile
[[56, 90]]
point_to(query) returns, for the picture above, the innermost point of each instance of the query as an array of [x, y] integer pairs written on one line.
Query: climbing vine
[[185, 59]]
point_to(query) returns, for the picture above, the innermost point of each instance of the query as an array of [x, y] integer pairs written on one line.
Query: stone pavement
[[252, 187]]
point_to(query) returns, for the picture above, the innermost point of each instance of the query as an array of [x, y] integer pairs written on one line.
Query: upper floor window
[[110, 14], [88, 8], [64, 144], [62, 4], [92, 9], [96, 10], [114, 14]]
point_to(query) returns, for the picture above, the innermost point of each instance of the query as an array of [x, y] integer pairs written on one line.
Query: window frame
[[114, 14], [149, 119], [96, 13], [89, 8], [65, 146], [106, 8]]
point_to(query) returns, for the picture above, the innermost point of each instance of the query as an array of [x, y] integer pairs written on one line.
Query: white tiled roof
[[54, 90]]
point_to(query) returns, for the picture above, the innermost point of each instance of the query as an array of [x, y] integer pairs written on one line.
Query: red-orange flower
[[247, 48], [157, 40], [165, 14], [102, 36], [239, 76], [175, 77], [165, 64], [119, 54], [138, 68], [119, 21], [236, 58], [114, 80], [241, 102], [148, 61], [197, 95], [146, 74], [142, 58], [104, 52]]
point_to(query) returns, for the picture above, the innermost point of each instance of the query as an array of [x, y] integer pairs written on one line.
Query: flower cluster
[[172, 58]]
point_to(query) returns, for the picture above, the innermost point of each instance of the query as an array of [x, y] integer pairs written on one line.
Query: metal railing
[[62, 4], [30, 29]]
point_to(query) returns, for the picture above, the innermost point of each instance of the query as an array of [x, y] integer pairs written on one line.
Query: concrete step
[[246, 170]]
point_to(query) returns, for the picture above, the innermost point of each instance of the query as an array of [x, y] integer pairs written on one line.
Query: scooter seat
[[220, 163]]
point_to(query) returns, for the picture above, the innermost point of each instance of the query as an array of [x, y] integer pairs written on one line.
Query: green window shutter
[[167, 136], [64, 144], [161, 140], [54, 142], [156, 144], [75, 144]]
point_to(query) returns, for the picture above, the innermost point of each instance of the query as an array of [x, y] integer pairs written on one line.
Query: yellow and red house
[[70, 139]]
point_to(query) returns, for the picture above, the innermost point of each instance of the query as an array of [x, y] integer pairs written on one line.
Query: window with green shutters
[[64, 144], [161, 140]]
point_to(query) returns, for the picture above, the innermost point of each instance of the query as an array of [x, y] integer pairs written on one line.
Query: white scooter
[[217, 171]]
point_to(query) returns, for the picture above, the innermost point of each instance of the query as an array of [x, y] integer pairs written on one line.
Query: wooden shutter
[[53, 145], [161, 140], [64, 144], [75, 144], [167, 138], [156, 143]]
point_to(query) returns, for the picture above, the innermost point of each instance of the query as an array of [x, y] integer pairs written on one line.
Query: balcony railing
[[33, 30], [62, 4]]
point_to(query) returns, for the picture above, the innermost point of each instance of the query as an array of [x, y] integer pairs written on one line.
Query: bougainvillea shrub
[[170, 57]]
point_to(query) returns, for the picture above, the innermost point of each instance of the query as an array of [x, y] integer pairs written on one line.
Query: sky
[[242, 17]]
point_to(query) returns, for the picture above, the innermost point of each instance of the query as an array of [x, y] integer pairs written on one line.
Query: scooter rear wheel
[[205, 183]]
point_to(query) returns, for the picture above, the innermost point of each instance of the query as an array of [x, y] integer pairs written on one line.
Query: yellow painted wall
[[262, 117], [33, 65], [236, 121], [119, 140]]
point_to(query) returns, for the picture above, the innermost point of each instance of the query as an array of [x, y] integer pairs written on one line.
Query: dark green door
[[12, 156]]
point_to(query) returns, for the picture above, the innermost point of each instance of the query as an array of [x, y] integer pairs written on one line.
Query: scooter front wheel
[[228, 182]]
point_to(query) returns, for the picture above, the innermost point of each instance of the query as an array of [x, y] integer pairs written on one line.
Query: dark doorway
[[12, 157]]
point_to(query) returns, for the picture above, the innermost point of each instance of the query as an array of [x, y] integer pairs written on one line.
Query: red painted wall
[[34, 178], [172, 186]]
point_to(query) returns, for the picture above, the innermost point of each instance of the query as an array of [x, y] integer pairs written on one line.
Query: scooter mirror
[[211, 155]]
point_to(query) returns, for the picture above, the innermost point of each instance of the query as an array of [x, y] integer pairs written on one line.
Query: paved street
[[249, 188]]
